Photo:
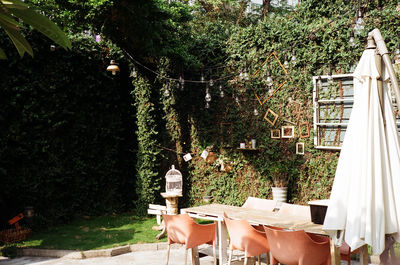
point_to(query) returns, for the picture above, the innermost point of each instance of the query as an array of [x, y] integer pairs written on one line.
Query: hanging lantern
[[173, 182], [202, 78], [113, 67], [166, 91], [134, 73], [211, 82], [207, 106]]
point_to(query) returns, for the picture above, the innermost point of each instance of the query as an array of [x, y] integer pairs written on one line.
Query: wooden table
[[215, 212]]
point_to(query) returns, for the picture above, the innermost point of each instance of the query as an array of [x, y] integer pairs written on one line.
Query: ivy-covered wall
[[67, 132], [318, 33]]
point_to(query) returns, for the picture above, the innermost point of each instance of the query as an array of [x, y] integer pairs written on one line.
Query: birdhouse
[[173, 184]]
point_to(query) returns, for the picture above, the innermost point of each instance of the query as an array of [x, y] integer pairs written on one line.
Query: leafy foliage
[[66, 138]]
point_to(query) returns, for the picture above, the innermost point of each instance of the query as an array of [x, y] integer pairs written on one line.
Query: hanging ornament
[[211, 82], [208, 96], [221, 92], [202, 78], [269, 81], [294, 59], [352, 41], [271, 91], [237, 99], [255, 112], [207, 106]]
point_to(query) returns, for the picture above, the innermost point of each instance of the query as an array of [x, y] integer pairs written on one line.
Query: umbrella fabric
[[365, 197]]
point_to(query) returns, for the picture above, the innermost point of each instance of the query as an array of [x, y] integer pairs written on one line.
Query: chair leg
[[230, 255], [168, 250], [259, 259], [186, 251], [267, 258], [214, 254]]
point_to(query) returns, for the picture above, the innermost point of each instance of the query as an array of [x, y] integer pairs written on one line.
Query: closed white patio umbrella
[[365, 199]]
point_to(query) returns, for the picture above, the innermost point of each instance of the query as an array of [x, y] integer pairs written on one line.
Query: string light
[[360, 24], [269, 80], [294, 59], [134, 73], [221, 92], [255, 112], [208, 96], [211, 82], [245, 75], [166, 91], [352, 41], [237, 99], [286, 63], [202, 78], [207, 106]]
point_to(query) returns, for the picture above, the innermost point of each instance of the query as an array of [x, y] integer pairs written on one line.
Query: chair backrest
[[297, 247], [259, 204], [298, 211], [244, 237], [179, 227]]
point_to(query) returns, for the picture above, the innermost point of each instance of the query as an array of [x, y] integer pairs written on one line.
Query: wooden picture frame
[[276, 134], [287, 132], [260, 101], [300, 148], [304, 125], [266, 117]]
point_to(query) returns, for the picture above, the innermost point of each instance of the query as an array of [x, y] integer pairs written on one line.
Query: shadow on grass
[[95, 233]]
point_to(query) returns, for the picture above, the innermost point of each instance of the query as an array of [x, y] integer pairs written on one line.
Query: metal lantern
[[173, 184], [113, 67]]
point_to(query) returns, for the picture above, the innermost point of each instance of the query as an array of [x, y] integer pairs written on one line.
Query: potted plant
[[279, 175]]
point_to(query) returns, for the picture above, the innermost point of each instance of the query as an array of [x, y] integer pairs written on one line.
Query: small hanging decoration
[[304, 126], [287, 132], [113, 67], [204, 154], [293, 59], [255, 112], [300, 148], [275, 134], [268, 117], [187, 157]]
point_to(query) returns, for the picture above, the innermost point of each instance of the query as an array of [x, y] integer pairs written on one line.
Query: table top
[[253, 216]]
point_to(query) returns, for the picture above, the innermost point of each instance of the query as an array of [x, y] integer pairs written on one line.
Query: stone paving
[[149, 257]]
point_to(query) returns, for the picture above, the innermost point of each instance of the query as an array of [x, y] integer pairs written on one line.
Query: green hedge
[[67, 131]]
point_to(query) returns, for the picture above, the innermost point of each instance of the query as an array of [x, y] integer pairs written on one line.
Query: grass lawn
[[95, 233]]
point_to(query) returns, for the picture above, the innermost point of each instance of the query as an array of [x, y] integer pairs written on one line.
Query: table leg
[[195, 256], [222, 246], [364, 255], [335, 254]]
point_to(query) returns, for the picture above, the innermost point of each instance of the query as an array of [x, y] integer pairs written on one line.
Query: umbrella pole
[[383, 51], [378, 61]]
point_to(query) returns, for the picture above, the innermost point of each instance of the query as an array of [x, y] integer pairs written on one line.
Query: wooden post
[[335, 254], [364, 255]]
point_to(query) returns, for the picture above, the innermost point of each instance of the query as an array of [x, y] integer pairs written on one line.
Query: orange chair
[[295, 210], [182, 229], [297, 247], [246, 238], [345, 252]]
